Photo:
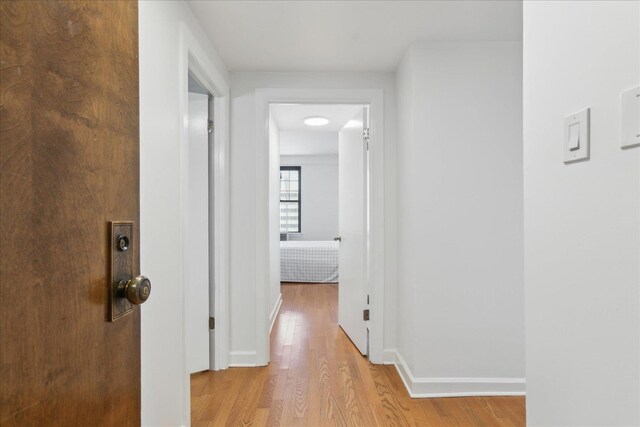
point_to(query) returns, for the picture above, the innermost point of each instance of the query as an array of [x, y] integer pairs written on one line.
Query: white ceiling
[[298, 139], [290, 117], [345, 35]]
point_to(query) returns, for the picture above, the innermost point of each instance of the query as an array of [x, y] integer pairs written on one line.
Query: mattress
[[311, 262]]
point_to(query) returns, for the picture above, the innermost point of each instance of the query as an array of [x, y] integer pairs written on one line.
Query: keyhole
[[123, 243]]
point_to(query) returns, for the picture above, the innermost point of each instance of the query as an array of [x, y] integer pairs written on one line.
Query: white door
[[352, 228], [197, 235]]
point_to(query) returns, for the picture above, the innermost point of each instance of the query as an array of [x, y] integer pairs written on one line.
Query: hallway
[[317, 378]]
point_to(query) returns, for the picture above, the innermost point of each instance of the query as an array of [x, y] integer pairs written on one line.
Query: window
[[290, 199]]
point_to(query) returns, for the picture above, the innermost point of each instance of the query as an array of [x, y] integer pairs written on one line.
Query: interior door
[[69, 159], [352, 229], [197, 234]]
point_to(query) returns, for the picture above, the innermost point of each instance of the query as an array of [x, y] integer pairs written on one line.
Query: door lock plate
[[122, 270]]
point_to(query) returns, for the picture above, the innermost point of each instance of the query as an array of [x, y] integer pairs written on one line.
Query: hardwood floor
[[317, 378]]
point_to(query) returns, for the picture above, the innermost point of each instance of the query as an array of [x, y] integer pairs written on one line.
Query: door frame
[[375, 257], [194, 59]]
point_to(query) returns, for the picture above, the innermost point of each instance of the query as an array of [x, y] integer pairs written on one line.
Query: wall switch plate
[[630, 118], [576, 136]]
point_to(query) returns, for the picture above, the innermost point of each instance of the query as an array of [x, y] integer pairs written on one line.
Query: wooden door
[[69, 164]]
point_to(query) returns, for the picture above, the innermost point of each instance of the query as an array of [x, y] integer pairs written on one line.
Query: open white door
[[197, 235], [352, 228]]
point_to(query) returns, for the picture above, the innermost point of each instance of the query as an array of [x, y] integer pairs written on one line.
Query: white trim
[[274, 312], [375, 266], [193, 58], [453, 387], [389, 356], [242, 359]]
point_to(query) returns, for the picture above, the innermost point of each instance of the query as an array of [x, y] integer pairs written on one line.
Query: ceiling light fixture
[[316, 121]]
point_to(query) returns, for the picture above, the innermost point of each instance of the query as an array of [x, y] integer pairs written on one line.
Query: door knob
[[338, 239], [136, 290]]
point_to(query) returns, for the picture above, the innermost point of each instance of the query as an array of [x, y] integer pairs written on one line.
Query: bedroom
[[320, 211]]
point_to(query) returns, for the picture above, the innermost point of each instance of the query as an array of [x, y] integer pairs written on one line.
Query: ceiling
[[290, 117], [345, 35], [298, 139]]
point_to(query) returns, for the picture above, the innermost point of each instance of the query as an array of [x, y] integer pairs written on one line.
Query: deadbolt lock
[[122, 242]]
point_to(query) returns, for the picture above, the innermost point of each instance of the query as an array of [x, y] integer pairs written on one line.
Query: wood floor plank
[[266, 397], [313, 405], [317, 378]]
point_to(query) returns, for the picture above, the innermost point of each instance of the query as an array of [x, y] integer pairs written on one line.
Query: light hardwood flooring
[[316, 377]]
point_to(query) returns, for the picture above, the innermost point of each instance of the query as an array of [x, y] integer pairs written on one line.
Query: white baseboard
[[389, 356], [238, 359], [241, 359], [274, 312], [452, 387]]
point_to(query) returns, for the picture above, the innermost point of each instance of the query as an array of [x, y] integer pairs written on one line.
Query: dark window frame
[[299, 169]]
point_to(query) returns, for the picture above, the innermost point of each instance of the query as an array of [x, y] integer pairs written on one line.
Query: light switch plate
[[630, 118], [577, 126]]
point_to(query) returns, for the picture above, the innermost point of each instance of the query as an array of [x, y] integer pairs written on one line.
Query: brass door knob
[[136, 290]]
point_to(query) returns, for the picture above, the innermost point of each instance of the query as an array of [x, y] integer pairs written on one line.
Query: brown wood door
[[69, 157]]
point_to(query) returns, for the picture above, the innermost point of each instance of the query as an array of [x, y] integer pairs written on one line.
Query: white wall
[[243, 191], [319, 195], [164, 386], [460, 227], [582, 221], [305, 143]]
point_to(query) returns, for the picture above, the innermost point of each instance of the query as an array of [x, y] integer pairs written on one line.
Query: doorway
[[319, 205], [268, 236]]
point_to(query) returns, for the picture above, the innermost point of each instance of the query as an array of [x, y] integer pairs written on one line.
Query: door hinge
[[212, 323], [365, 137], [365, 134], [210, 126], [365, 314]]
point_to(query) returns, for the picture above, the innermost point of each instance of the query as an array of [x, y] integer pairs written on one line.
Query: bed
[[309, 262]]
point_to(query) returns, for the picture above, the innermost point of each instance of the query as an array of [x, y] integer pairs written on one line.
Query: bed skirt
[[309, 262]]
